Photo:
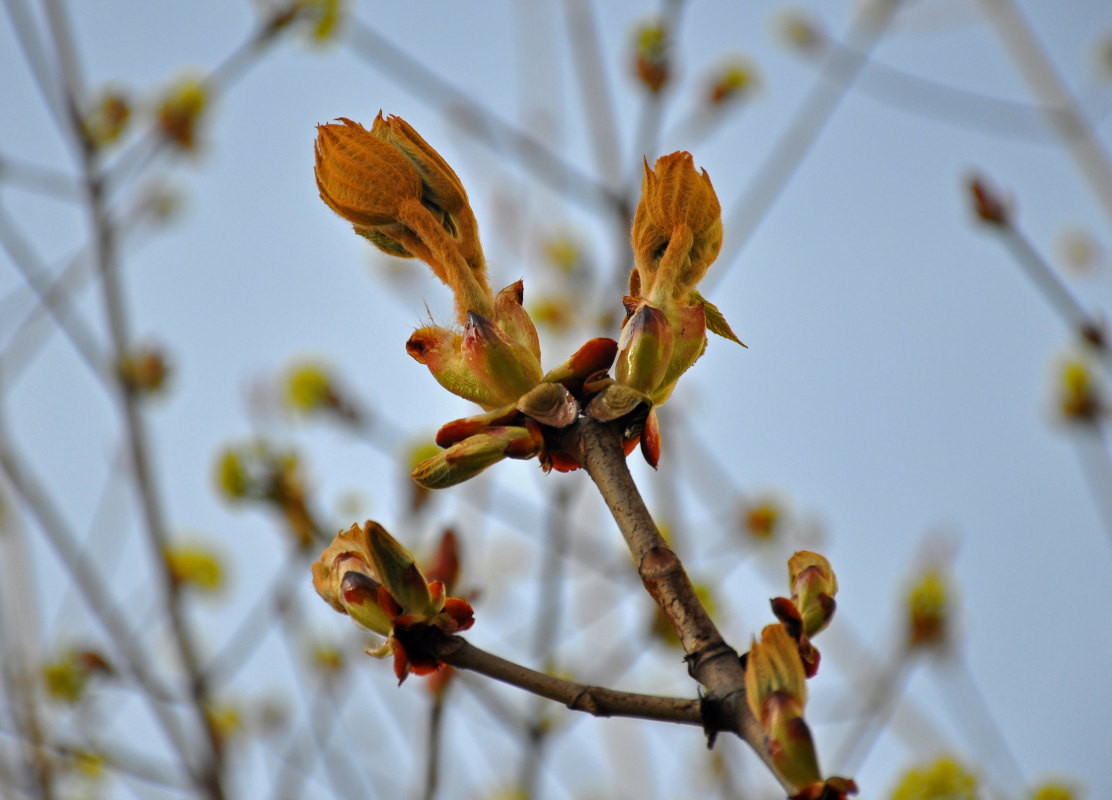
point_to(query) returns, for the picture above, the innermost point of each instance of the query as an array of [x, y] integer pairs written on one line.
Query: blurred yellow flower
[[1053, 791], [1079, 398], [231, 476], [928, 608], [89, 765], [945, 779], [651, 52], [763, 519], [64, 681], [308, 388], [180, 111], [224, 721], [107, 120], [325, 17], [328, 659], [731, 81], [191, 565]]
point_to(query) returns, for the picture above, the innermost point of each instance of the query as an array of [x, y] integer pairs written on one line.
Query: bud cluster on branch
[[401, 195]]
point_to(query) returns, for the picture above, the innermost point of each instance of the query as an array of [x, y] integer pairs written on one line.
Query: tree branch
[[595, 700], [710, 660]]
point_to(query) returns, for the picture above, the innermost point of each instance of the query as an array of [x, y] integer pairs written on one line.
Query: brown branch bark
[[596, 700], [711, 661]]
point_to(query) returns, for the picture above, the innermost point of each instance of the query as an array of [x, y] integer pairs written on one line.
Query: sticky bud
[[813, 588], [514, 320], [645, 347], [505, 368], [441, 350], [776, 691], [398, 571], [469, 457]]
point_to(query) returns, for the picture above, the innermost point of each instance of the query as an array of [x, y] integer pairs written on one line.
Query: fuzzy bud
[[361, 177], [441, 189], [677, 228]]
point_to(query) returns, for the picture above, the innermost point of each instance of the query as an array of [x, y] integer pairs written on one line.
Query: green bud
[[645, 348], [514, 320], [397, 569], [813, 588], [505, 368], [469, 457], [441, 351]]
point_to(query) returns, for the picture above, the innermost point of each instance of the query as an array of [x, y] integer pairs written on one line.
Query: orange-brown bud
[[442, 191], [361, 177], [402, 196], [677, 229]]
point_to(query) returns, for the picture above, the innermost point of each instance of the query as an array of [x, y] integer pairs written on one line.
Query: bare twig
[[595, 700], [1052, 94], [477, 121], [791, 148], [82, 339], [432, 750], [590, 72], [546, 627], [711, 661], [96, 594], [18, 626]]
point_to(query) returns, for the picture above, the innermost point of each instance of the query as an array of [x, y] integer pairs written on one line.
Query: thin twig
[[37, 178], [21, 254], [18, 618], [479, 122], [876, 708], [432, 750], [135, 438], [1050, 284], [970, 710], [816, 110], [951, 105], [590, 73], [100, 603], [595, 700], [1053, 95], [546, 627], [35, 54]]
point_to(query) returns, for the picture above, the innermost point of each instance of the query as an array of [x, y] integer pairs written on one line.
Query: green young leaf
[[716, 323]]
